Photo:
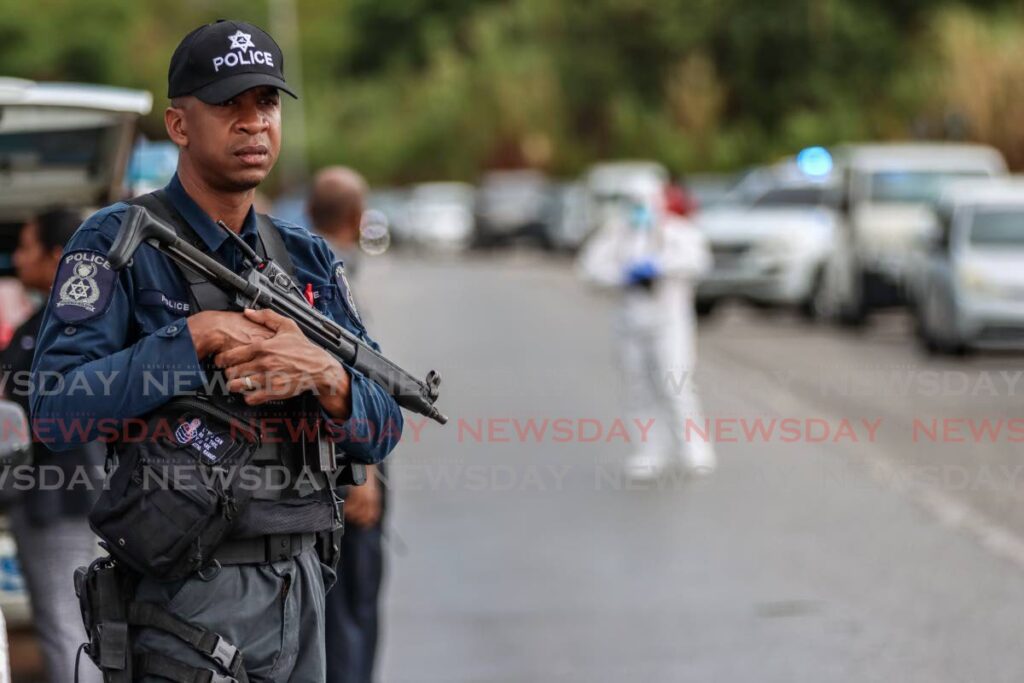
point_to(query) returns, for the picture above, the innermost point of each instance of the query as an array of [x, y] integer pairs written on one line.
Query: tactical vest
[[290, 498]]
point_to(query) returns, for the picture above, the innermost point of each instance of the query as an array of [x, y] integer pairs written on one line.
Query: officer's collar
[[212, 234]]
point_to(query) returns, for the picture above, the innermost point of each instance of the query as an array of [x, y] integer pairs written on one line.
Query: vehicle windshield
[[793, 196], [43, 150], [915, 187], [1003, 227]]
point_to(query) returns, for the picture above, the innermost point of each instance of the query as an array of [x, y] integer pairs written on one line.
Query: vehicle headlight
[[974, 280]]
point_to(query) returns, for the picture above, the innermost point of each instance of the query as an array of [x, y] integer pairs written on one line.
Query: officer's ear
[[174, 122]]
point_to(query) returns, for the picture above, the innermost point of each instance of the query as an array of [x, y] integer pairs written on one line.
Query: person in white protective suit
[[651, 256]]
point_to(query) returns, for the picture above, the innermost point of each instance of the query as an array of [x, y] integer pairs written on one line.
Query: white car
[[967, 277], [441, 215], [770, 243], [885, 205]]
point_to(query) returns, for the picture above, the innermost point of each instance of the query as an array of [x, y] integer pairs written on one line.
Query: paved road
[[870, 537]]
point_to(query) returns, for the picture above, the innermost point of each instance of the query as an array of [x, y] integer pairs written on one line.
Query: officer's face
[[36, 265], [232, 145]]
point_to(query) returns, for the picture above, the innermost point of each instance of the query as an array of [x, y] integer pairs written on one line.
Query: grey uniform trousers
[[274, 613]]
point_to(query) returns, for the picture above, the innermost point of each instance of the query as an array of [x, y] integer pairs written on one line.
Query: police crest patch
[[84, 286], [346, 291]]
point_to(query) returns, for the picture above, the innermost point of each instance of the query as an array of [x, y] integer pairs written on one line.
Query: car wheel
[[816, 306], [939, 315], [922, 327], [853, 311], [705, 307]]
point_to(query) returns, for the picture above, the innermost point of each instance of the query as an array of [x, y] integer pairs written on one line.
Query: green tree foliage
[[431, 89]]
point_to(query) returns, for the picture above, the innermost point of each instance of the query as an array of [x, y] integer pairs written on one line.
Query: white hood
[[727, 225]]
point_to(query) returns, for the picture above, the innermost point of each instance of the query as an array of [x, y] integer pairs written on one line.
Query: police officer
[[49, 521], [107, 330], [336, 203]]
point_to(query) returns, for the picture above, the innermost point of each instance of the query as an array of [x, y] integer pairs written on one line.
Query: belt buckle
[[228, 656], [279, 547]]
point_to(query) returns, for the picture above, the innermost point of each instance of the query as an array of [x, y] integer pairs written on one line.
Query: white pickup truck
[[886, 195]]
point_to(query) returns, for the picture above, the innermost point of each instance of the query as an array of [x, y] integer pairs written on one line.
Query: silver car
[[967, 275]]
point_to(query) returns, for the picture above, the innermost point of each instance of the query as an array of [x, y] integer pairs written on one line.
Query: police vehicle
[[771, 235]]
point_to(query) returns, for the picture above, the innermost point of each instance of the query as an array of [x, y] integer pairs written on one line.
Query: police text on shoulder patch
[[84, 286], [154, 297]]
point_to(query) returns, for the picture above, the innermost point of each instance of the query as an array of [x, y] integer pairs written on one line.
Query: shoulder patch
[[346, 291], [84, 286]]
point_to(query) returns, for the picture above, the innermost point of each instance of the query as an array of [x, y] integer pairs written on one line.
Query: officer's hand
[[285, 365], [363, 503], [216, 331]]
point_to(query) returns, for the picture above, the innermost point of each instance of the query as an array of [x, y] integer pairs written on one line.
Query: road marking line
[[949, 511]]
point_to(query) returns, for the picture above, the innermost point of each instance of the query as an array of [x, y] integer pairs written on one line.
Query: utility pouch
[[177, 491]]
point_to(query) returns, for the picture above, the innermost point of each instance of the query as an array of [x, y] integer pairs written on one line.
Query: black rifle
[[265, 285]]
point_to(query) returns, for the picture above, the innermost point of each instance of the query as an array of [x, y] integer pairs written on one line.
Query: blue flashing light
[[814, 161]]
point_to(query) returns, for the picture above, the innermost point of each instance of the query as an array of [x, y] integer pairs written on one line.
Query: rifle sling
[[205, 295]]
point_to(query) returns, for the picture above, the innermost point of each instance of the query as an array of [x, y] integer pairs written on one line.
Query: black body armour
[[293, 498], [284, 491]]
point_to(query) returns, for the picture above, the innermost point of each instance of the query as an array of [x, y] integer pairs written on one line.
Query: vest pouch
[[176, 493]]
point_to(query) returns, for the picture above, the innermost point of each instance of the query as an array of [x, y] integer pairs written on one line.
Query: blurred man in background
[[336, 205], [49, 523], [651, 255]]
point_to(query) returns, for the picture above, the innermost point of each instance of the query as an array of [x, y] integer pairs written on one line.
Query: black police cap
[[218, 61]]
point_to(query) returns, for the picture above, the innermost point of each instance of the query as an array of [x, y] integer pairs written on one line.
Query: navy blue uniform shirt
[[115, 345]]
